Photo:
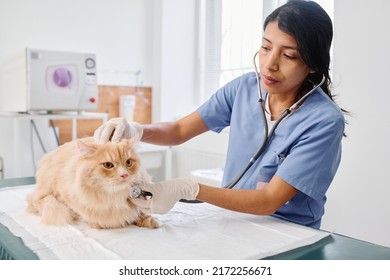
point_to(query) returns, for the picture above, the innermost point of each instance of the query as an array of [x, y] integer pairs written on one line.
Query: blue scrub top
[[305, 149]]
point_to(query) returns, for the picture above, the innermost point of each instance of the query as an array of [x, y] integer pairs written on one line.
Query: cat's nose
[[124, 175]]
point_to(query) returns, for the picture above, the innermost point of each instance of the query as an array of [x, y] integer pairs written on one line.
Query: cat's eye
[[108, 165], [129, 163]]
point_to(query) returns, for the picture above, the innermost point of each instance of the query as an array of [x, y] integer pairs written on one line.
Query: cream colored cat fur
[[89, 181]]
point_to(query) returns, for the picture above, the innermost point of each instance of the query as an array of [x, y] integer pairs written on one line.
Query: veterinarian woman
[[291, 175]]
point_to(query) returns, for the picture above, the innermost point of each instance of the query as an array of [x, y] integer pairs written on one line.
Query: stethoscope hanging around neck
[[268, 135]]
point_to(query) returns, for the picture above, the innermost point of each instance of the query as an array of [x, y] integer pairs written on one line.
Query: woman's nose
[[271, 61]]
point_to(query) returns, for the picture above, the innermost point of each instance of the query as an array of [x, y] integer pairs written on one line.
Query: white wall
[[178, 58], [119, 32], [157, 37], [358, 202]]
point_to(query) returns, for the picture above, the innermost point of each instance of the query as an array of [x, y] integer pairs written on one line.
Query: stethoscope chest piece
[[137, 192]]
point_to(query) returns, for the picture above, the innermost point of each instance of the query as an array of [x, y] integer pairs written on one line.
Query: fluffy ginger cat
[[92, 182]]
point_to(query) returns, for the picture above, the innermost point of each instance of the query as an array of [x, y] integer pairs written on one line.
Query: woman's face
[[282, 70]]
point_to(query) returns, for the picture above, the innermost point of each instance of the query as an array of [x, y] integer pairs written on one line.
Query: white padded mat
[[188, 231]]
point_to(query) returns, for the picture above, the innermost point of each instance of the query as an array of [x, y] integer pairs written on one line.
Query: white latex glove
[[166, 194], [119, 128]]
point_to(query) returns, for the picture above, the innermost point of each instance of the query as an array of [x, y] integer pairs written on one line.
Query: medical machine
[[43, 80]]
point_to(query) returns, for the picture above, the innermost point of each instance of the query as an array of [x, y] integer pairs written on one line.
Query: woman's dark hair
[[312, 29]]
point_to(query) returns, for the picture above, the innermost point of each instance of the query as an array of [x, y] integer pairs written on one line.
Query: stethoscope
[[137, 192], [268, 135]]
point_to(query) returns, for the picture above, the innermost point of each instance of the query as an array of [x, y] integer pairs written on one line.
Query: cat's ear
[[135, 139], [132, 141], [86, 150]]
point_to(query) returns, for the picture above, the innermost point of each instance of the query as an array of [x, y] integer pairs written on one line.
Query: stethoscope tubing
[[267, 135]]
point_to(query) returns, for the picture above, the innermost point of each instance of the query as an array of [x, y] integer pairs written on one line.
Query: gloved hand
[[166, 194], [119, 128]]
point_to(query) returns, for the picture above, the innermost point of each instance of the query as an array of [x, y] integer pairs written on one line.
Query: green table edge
[[19, 250]]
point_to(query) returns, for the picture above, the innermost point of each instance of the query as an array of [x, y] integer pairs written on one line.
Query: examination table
[[188, 231]]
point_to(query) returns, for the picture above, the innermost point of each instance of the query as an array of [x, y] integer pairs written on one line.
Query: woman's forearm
[[174, 133], [260, 202], [245, 201], [162, 133]]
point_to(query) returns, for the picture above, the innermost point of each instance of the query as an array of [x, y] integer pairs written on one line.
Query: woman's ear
[[86, 150]]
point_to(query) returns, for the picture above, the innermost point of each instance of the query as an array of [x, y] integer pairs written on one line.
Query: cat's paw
[[54, 212], [147, 221], [96, 226]]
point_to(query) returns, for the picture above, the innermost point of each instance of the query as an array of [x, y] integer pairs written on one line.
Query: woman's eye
[[264, 48], [108, 165], [129, 163], [290, 57]]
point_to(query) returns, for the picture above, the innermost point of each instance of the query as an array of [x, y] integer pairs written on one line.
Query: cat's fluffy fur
[[82, 179]]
